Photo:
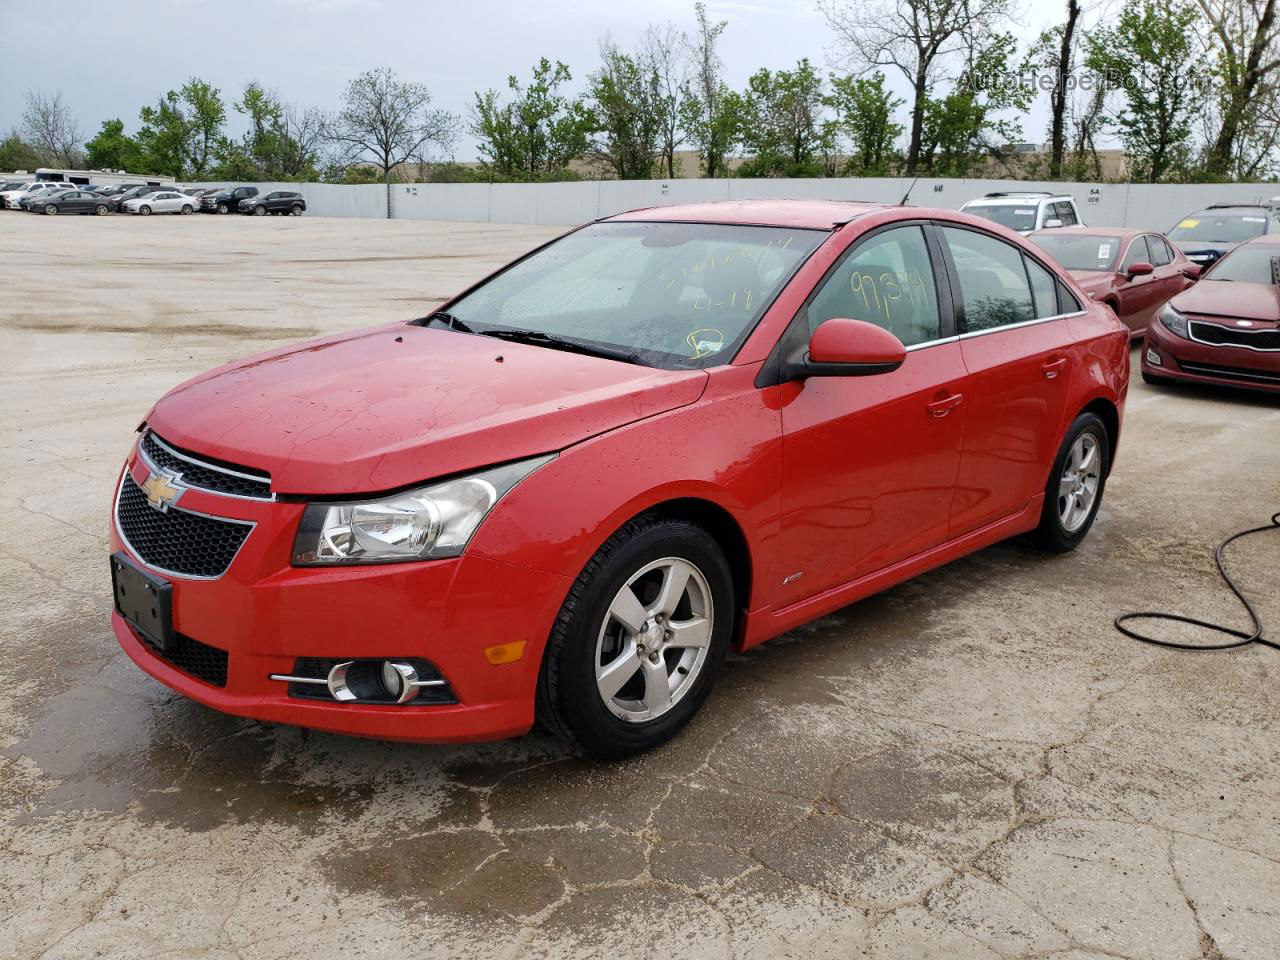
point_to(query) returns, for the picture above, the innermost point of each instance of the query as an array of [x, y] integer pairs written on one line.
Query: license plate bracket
[[145, 601]]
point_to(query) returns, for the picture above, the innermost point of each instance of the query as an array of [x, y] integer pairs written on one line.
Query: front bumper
[[1192, 361], [266, 614]]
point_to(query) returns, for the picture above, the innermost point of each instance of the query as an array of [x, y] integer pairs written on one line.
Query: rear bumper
[[266, 614], [1189, 360]]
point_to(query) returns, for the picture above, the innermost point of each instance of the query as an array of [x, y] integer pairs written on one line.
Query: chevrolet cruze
[[568, 492]]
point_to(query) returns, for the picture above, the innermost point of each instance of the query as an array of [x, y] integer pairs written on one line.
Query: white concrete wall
[[1155, 206]]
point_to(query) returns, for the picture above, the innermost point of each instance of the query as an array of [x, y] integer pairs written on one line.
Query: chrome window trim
[[1008, 326], [155, 468], [1191, 322], [115, 523]]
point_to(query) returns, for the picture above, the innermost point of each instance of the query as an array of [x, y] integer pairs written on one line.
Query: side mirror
[[843, 347], [1192, 271], [1139, 270], [1052, 222]]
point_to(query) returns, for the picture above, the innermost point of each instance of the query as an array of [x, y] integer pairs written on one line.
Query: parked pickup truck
[[283, 202], [225, 201]]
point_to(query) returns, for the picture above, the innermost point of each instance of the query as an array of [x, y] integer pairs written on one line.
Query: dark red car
[[570, 491], [1134, 272], [1226, 329]]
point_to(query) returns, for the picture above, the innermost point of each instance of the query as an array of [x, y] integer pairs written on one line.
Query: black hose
[[1245, 638]]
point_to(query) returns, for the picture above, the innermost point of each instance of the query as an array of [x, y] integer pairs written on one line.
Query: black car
[[1205, 237], [70, 201], [283, 202], [225, 201]]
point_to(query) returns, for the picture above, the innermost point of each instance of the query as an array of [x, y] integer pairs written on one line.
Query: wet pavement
[[972, 765]]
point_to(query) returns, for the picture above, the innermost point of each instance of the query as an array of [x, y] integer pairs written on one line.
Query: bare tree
[[663, 53], [306, 129], [916, 37], [51, 129], [390, 121], [1245, 36]]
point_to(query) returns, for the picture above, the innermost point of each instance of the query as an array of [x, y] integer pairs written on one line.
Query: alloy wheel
[[653, 642], [1078, 485]]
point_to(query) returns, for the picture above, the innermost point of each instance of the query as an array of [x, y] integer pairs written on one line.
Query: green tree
[[625, 99], [163, 136], [1151, 48], [113, 149], [864, 110], [1243, 40], [536, 133], [710, 113], [182, 133], [783, 129], [17, 154], [205, 116]]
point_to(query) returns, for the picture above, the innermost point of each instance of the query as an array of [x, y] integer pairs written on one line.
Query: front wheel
[[50, 210], [145, 211], [639, 640], [259, 211], [1074, 491], [101, 210], [222, 208]]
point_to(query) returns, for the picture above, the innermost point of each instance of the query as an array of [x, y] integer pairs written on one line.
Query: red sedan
[[1226, 329], [570, 491], [1134, 272]]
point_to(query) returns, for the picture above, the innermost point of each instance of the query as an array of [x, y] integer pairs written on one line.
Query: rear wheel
[[639, 640], [295, 211], [1074, 491], [186, 208]]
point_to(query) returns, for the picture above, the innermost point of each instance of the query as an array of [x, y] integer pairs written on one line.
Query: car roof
[[809, 214], [1017, 199], [1228, 207], [1085, 231]]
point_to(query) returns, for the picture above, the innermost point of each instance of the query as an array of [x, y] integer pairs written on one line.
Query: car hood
[[1225, 298], [1093, 282], [384, 408]]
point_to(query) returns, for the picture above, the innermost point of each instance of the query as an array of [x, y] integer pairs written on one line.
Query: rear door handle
[[940, 408], [1052, 368]]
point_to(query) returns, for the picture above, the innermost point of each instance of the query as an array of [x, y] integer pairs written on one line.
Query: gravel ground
[[972, 765]]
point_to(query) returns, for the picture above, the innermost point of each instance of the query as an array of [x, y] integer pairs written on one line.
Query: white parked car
[[1025, 211], [166, 201], [13, 198]]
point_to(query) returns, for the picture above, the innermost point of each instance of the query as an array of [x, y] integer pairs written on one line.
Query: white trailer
[[96, 178]]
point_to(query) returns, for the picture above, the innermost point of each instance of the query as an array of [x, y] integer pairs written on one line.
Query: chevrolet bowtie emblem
[[161, 491]]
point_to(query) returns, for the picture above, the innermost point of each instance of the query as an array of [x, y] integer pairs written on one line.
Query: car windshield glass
[[1013, 216], [1251, 264], [676, 295], [1214, 226], [1079, 251]]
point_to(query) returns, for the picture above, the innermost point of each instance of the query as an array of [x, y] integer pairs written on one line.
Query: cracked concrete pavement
[[972, 766]]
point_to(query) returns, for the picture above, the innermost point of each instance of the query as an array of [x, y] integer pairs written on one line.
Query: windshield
[[676, 295], [1251, 264], [1215, 226], [1009, 215], [1077, 251]]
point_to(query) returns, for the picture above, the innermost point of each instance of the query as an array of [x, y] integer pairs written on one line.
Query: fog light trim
[[1153, 358]]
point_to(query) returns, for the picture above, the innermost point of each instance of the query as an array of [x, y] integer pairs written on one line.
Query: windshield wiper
[[540, 339], [449, 320]]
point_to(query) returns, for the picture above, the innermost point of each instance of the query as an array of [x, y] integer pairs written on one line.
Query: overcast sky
[[111, 59]]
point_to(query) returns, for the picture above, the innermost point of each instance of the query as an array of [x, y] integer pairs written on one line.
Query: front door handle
[[1051, 368], [940, 408]]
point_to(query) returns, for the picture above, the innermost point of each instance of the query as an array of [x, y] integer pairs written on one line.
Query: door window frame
[[957, 296]]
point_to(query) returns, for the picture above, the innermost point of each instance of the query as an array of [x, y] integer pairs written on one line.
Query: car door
[[869, 462], [1015, 345], [1138, 296]]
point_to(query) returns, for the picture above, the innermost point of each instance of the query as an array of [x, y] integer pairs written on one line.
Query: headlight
[[422, 524], [1174, 321]]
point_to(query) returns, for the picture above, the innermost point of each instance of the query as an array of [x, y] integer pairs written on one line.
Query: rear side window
[[1044, 289], [887, 280], [993, 281]]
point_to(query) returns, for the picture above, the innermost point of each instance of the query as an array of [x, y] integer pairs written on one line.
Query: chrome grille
[[177, 541], [203, 473], [1216, 335]]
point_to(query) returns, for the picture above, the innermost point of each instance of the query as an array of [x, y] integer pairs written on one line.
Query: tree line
[[1187, 87]]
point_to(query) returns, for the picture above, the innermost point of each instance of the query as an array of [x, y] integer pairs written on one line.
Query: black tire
[[568, 701], [145, 210], [1052, 534], [1155, 381], [222, 208], [186, 208], [50, 210], [295, 210], [259, 211], [101, 210]]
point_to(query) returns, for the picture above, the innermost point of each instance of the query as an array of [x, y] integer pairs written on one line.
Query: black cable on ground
[[1245, 638]]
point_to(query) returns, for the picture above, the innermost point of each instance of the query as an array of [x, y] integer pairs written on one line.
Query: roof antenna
[[907, 196]]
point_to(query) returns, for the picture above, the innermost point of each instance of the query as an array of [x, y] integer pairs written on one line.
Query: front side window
[[887, 280], [993, 280], [1160, 255], [1137, 253], [1066, 213], [674, 295]]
